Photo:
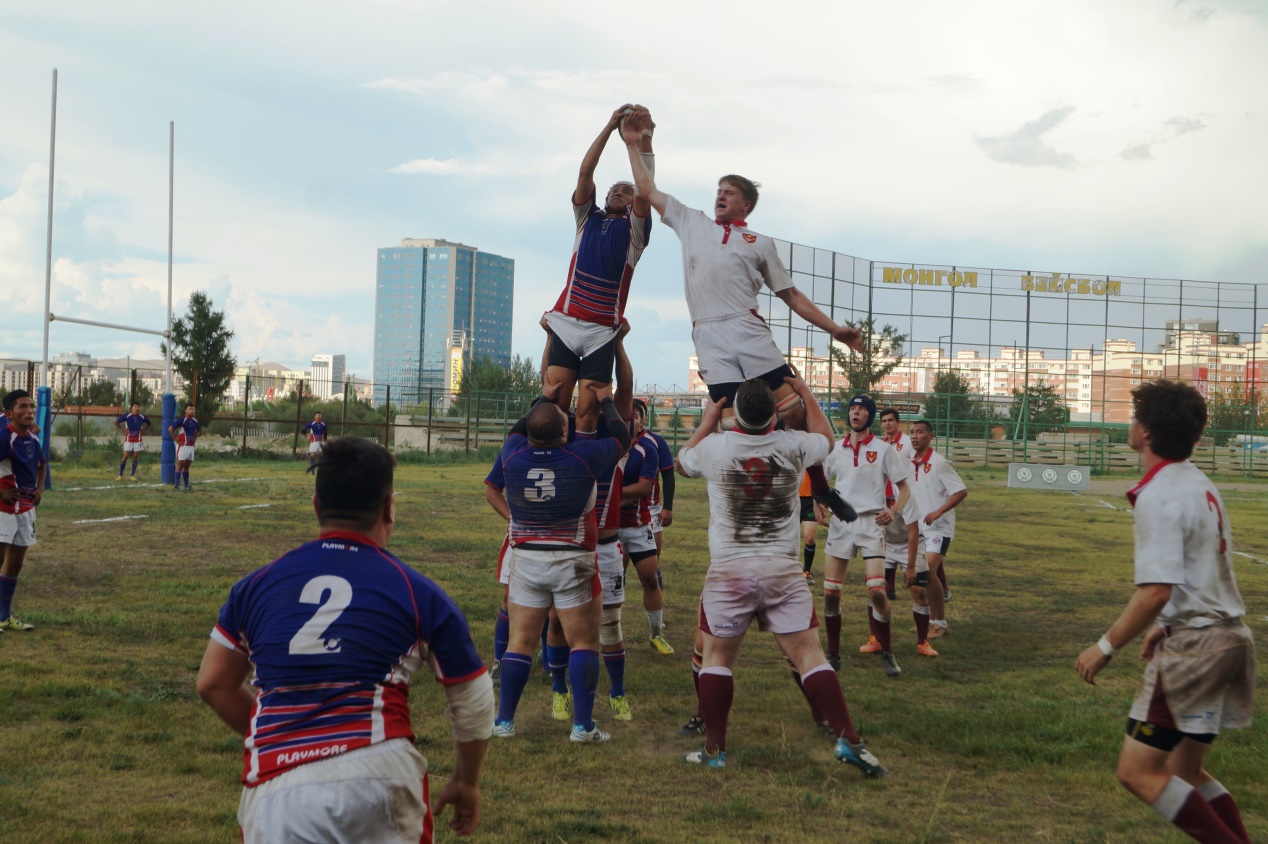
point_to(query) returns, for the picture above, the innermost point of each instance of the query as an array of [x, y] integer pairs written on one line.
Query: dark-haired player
[[316, 432], [1201, 673], [938, 490], [724, 266], [185, 430], [891, 426], [132, 425], [582, 327], [550, 491], [638, 539], [21, 489], [863, 468], [661, 502], [754, 472], [333, 631]]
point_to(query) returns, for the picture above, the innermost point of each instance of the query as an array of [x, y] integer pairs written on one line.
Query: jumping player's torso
[[604, 255]]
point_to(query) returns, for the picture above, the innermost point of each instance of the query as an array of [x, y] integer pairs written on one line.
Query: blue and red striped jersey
[[134, 422], [641, 462], [317, 430], [188, 426], [551, 491], [20, 461], [604, 255], [335, 630]]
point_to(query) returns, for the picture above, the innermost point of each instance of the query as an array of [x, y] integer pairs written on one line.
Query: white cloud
[[1025, 146]]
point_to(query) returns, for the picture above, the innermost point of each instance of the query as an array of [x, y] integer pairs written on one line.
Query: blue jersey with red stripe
[[134, 422], [604, 255], [189, 426], [551, 491], [641, 463], [317, 429], [20, 460], [665, 463], [335, 629]]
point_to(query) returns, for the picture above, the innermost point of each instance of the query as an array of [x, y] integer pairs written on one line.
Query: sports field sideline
[[997, 739]]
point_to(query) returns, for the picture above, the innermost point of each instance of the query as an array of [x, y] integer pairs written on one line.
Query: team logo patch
[[871, 457], [928, 468], [898, 447], [750, 238]]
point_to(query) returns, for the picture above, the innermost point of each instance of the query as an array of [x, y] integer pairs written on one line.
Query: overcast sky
[[1083, 137]]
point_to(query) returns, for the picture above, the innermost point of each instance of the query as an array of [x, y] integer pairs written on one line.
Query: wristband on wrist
[[1106, 648]]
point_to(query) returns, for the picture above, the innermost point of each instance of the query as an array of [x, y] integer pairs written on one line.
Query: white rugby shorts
[[136, 446], [375, 793], [1200, 681], [504, 560], [935, 543], [582, 338], [655, 509], [563, 578], [17, 528], [734, 348], [316, 446], [612, 573], [781, 603], [861, 536], [185, 452], [637, 540]]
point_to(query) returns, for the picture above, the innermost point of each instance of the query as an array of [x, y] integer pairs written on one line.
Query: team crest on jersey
[[898, 447], [749, 238], [928, 468], [871, 457]]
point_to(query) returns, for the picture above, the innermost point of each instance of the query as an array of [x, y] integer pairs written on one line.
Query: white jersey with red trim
[[724, 265], [754, 508], [335, 629], [862, 473], [933, 481], [1183, 538], [902, 445]]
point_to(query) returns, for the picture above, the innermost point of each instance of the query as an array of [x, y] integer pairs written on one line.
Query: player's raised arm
[[644, 179], [816, 421], [800, 304], [585, 189]]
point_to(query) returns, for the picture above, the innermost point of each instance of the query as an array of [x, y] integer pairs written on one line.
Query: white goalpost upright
[[44, 390]]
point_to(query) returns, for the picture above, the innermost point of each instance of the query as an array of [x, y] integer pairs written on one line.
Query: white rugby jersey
[[1183, 538], [723, 265], [863, 474], [902, 445], [754, 509], [933, 481]]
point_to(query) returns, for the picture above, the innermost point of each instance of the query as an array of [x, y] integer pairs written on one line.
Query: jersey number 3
[[310, 639], [543, 488]]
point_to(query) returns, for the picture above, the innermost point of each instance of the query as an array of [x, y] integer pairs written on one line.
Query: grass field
[[997, 740]]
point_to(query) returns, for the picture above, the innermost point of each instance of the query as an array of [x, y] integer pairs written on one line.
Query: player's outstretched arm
[[708, 424], [644, 181], [585, 190], [800, 304]]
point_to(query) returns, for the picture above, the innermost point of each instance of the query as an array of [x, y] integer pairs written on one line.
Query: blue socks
[[7, 586], [557, 660], [121, 464], [583, 671], [133, 469], [501, 634], [515, 671], [614, 662]]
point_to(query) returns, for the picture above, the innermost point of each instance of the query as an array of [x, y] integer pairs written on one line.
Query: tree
[[1229, 412], [956, 408], [502, 390], [881, 355], [200, 353], [96, 394], [1037, 409]]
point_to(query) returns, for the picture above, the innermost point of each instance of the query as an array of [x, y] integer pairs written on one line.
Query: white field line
[[1251, 557], [100, 521], [142, 486], [253, 506]]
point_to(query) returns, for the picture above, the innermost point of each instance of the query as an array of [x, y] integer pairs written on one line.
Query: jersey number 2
[[309, 639]]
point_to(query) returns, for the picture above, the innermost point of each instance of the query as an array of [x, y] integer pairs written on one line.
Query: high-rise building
[[438, 305], [326, 374]]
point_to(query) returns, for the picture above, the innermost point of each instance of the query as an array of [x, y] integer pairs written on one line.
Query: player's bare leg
[[566, 380], [1178, 787], [653, 600], [834, 569], [587, 408], [937, 606]]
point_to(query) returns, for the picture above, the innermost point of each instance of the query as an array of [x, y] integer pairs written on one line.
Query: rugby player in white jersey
[[725, 264], [903, 551], [891, 425], [754, 572], [1200, 677], [938, 490], [863, 468]]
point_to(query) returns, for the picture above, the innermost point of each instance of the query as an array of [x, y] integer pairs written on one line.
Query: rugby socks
[[697, 662], [8, 585], [133, 474], [1225, 806], [186, 479], [121, 465], [832, 621], [796, 675], [823, 690], [660, 580], [808, 555], [583, 671], [717, 691], [557, 659], [656, 621], [921, 616], [1184, 807], [881, 629], [514, 676], [501, 634], [614, 662]]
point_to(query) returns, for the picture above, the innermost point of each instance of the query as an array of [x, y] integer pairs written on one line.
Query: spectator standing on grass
[[334, 630], [21, 488], [132, 425], [185, 431], [1200, 677]]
